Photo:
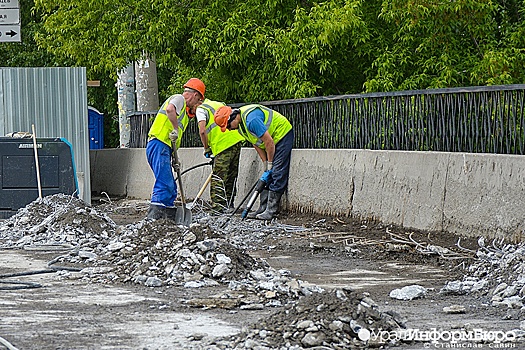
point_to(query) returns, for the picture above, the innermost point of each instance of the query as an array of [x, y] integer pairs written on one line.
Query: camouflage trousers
[[225, 171]]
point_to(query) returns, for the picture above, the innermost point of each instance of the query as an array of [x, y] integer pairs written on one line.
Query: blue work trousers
[[165, 187], [281, 163]]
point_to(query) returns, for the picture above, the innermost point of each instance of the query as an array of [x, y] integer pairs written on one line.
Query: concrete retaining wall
[[463, 193]]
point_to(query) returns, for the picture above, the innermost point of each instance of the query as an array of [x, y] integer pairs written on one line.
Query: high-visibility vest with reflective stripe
[[276, 123], [162, 126], [218, 141]]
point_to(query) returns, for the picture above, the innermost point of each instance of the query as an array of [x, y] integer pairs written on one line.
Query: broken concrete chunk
[[223, 259], [336, 325], [453, 287], [258, 275], [207, 245], [454, 309], [115, 246], [189, 238], [409, 292], [86, 255], [313, 339], [255, 306], [514, 302], [305, 324], [220, 270], [153, 282]]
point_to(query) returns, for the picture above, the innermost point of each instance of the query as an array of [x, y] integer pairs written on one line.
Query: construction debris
[[337, 319], [160, 254]]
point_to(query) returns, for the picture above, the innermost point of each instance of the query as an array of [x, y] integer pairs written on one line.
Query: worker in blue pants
[[165, 133]]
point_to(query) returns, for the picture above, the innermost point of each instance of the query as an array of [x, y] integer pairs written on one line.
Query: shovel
[[192, 204], [183, 215]]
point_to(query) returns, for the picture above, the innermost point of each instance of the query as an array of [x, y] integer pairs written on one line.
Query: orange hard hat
[[221, 116], [197, 85]]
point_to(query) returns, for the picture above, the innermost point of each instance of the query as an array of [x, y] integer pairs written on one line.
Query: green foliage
[[251, 50], [277, 50], [27, 53], [449, 44]]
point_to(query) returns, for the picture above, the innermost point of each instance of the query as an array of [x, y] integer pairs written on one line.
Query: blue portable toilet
[[96, 128]]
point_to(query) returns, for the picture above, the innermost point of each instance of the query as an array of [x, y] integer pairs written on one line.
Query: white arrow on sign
[[9, 16], [9, 4], [10, 33]]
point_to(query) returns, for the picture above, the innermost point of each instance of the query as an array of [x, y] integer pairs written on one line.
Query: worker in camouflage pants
[[225, 147], [225, 171]]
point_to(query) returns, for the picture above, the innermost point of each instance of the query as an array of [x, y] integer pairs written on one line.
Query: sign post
[[10, 21]]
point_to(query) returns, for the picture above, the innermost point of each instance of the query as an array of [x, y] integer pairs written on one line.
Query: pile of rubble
[[160, 253], [153, 253], [338, 319], [56, 220], [498, 271]]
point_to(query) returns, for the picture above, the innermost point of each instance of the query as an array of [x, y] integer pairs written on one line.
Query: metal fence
[[140, 122], [474, 119]]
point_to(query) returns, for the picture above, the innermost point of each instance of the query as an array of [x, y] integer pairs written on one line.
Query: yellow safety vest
[[161, 127], [218, 141], [276, 123]]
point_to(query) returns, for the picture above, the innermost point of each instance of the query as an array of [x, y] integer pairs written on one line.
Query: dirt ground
[[363, 260]]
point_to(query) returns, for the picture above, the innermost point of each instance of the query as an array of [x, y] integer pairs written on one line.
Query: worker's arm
[[202, 133], [171, 112], [261, 153], [269, 145]]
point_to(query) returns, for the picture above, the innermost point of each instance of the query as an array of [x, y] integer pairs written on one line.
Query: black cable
[[19, 285], [26, 273], [28, 285], [194, 167]]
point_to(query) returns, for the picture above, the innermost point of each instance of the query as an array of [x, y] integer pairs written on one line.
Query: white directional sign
[[10, 4], [10, 33], [9, 16], [10, 21]]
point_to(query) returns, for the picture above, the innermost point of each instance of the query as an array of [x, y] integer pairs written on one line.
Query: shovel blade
[[183, 216]]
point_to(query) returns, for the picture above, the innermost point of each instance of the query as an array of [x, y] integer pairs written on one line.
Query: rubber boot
[[263, 200], [274, 198], [156, 212]]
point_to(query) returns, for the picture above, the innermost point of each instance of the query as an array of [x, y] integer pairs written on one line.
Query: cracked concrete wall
[[466, 194]]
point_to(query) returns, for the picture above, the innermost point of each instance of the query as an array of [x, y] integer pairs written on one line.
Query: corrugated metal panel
[[55, 101]]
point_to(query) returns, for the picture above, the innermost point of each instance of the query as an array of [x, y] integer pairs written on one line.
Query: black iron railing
[[140, 122], [474, 119]]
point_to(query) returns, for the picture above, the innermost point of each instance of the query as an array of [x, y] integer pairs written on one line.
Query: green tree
[[243, 50], [281, 49], [27, 53], [448, 44], [252, 50]]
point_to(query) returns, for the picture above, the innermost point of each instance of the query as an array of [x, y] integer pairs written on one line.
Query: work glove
[[269, 165], [207, 153], [174, 135], [175, 165], [265, 177]]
